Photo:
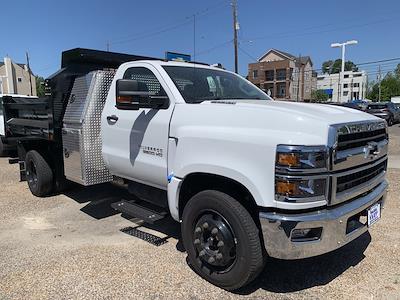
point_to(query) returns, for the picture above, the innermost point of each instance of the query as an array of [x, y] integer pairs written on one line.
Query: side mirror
[[132, 95]]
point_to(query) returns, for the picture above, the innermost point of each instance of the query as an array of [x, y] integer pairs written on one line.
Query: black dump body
[[37, 123], [42, 118]]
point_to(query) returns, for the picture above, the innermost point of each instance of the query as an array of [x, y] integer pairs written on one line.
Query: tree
[[40, 86], [326, 66], [334, 67], [319, 96], [390, 87], [397, 71]]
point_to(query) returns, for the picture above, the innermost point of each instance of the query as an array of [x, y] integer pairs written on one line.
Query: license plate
[[374, 214]]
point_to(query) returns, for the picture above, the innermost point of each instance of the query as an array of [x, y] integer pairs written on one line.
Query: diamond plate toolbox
[[83, 160]]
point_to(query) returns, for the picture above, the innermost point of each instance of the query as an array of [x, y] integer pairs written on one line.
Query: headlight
[[301, 173], [297, 158], [292, 189]]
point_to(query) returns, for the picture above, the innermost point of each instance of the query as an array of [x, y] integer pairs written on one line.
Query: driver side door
[[135, 141]]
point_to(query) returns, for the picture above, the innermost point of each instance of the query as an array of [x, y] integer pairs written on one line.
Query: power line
[[162, 29], [214, 48], [294, 34], [246, 53]]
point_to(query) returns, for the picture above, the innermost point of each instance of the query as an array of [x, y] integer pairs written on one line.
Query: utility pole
[[194, 38], [379, 80], [298, 78], [29, 72], [235, 31]]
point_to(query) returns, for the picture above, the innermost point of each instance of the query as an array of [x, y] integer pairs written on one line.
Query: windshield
[[201, 84]]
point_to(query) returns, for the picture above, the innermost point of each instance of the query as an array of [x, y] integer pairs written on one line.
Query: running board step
[[135, 210], [145, 236]]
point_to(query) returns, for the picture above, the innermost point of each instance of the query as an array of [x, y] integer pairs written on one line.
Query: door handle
[[113, 118]]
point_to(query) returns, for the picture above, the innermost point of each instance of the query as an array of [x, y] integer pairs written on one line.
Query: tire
[[218, 208], [390, 122], [3, 151], [38, 174]]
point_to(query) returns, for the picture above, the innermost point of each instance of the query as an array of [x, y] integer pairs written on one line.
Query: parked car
[[347, 104], [387, 110]]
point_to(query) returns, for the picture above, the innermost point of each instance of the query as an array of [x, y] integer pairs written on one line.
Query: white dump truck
[[247, 177]]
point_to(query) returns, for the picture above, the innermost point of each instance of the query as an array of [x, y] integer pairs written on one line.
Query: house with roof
[[16, 78], [284, 76]]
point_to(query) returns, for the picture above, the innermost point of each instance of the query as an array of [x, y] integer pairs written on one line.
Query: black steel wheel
[[38, 174], [214, 241], [222, 240]]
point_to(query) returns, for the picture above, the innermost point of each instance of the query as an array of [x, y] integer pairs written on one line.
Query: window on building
[[357, 75], [19, 79], [269, 89], [281, 90], [346, 85], [291, 74], [346, 76], [269, 75], [255, 73], [345, 93], [356, 84], [281, 74]]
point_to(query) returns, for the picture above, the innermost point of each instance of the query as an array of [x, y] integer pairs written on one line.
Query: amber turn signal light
[[286, 188], [288, 159]]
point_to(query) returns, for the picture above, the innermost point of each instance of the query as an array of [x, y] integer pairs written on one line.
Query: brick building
[[284, 76]]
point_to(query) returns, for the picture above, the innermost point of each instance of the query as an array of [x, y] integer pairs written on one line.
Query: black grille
[[359, 139], [349, 181]]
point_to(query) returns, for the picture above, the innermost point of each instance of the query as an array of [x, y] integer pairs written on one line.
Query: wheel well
[[197, 182]]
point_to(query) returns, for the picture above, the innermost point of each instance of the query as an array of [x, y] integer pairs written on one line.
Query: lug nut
[[205, 225], [202, 253], [219, 256], [214, 231], [220, 244], [197, 230], [196, 241], [211, 260]]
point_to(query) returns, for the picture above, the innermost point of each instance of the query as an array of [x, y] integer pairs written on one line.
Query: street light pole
[[341, 75]]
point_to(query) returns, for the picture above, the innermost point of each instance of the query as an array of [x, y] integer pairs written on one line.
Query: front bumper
[[277, 228]]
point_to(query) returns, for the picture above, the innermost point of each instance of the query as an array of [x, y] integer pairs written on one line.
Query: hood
[[279, 122], [323, 112]]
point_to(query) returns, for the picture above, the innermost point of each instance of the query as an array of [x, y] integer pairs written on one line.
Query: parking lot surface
[[70, 246]]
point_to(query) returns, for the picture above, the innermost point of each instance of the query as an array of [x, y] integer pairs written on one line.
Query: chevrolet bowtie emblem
[[371, 150]]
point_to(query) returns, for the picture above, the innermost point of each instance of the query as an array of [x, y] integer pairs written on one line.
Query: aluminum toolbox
[[83, 160]]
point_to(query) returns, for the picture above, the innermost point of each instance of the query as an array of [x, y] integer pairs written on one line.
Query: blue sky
[[45, 28]]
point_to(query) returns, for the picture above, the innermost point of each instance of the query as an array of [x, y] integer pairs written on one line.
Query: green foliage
[[319, 96], [334, 67], [40, 86], [390, 86]]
